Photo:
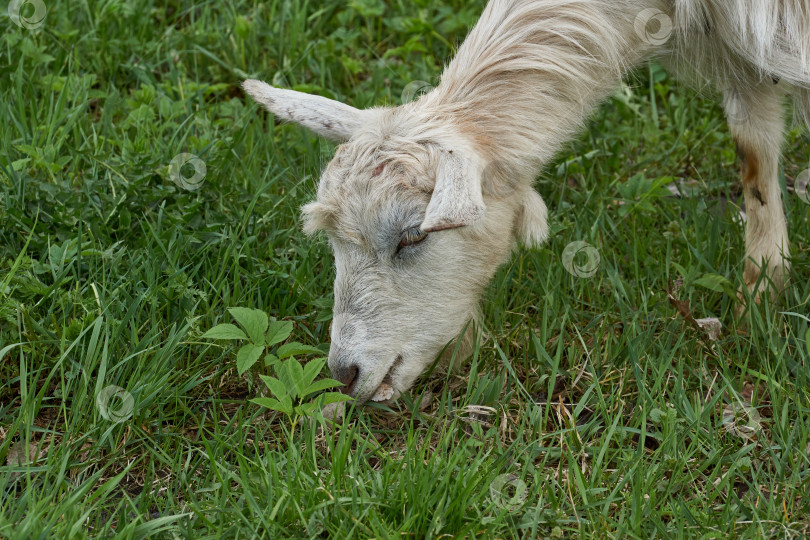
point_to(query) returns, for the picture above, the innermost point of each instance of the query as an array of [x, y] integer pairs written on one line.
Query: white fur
[[461, 160]]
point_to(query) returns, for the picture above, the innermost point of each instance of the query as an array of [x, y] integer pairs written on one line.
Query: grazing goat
[[422, 202]]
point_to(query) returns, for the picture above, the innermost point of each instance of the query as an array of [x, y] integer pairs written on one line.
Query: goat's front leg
[[755, 117]]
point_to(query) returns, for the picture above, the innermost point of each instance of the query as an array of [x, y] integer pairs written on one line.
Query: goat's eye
[[410, 237]]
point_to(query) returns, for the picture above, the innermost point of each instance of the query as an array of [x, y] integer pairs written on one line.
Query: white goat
[[419, 222]]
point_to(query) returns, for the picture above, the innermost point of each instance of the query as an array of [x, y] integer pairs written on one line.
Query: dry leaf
[[709, 327]]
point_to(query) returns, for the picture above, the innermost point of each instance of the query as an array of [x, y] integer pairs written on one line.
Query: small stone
[[334, 411], [18, 457], [712, 326], [426, 400]]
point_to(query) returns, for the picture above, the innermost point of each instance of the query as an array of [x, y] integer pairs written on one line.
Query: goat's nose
[[347, 375]]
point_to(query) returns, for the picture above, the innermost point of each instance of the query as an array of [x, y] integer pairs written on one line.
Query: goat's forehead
[[367, 211], [384, 160], [365, 186]]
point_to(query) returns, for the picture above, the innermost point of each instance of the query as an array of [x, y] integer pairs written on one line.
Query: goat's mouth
[[386, 390]]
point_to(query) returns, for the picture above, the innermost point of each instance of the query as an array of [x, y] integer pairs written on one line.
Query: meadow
[[593, 406]]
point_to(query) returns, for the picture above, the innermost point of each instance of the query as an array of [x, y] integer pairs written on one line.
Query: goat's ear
[[531, 222], [457, 199], [326, 117]]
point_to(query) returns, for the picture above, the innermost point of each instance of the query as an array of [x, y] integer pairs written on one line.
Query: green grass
[[600, 400]]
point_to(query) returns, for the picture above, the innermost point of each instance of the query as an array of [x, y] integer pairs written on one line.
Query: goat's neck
[[531, 71]]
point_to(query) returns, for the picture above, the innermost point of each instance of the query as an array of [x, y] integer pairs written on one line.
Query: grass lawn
[[591, 406]]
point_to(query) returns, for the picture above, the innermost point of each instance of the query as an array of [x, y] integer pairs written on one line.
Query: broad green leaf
[[323, 384], [278, 332], [296, 349], [743, 463], [254, 321], [680, 269], [270, 403], [291, 374], [332, 397], [265, 402], [287, 402], [716, 283], [283, 375], [247, 356], [296, 371], [273, 404], [368, 8], [225, 331], [311, 370], [306, 409], [275, 386], [711, 281], [270, 359]]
